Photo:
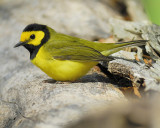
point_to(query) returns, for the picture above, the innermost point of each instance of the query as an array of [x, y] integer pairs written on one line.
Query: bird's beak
[[19, 44]]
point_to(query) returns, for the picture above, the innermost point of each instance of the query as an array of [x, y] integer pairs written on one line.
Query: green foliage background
[[152, 8]]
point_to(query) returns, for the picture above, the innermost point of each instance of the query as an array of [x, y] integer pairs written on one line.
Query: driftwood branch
[[139, 73]]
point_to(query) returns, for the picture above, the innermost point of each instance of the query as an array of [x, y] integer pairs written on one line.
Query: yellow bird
[[64, 57]]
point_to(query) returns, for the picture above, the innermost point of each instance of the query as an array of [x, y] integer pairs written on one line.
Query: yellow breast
[[61, 70]]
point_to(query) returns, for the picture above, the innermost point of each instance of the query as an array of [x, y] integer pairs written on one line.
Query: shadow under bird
[[64, 57]]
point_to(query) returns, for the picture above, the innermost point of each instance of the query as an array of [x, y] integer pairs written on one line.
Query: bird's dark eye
[[32, 36]]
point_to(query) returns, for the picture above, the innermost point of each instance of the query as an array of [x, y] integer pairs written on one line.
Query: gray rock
[[141, 114], [8, 114], [42, 104]]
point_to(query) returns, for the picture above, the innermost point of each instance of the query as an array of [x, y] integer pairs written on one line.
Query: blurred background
[[152, 9]]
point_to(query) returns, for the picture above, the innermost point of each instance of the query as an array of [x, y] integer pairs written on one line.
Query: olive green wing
[[64, 47], [61, 40], [75, 53]]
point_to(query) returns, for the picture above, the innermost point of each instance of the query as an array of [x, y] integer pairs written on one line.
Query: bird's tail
[[115, 47]]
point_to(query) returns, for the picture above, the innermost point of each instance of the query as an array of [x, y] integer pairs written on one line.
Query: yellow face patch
[[27, 37]]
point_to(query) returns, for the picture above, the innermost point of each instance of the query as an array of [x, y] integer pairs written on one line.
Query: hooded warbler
[[64, 57]]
